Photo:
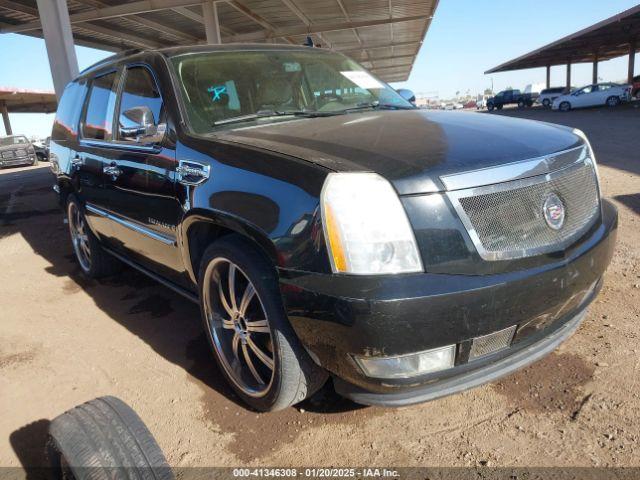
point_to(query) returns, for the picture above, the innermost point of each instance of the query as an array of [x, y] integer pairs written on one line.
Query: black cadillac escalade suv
[[325, 225]]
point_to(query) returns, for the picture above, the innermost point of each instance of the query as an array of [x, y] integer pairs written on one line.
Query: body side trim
[[132, 226]]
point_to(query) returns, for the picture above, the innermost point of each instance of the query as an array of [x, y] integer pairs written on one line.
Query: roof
[[604, 40], [19, 100], [384, 35]]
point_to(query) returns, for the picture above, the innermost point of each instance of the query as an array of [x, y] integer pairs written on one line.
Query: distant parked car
[[548, 95], [41, 150], [16, 150], [635, 87], [507, 97], [610, 94]]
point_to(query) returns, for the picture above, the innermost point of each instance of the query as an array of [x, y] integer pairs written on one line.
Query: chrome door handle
[[192, 173], [113, 171], [77, 161]]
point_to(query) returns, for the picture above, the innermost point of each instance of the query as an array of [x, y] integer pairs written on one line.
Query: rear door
[[93, 153], [139, 179]]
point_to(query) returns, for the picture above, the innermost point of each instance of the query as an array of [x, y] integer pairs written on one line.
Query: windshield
[[6, 141], [221, 88]]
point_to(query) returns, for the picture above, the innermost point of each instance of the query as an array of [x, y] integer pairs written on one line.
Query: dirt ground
[[65, 340]]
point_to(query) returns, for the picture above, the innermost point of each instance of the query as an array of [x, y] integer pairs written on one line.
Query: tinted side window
[[65, 126], [140, 90], [99, 113]]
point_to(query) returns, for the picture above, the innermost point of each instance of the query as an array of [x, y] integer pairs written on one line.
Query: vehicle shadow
[[631, 201], [167, 322]]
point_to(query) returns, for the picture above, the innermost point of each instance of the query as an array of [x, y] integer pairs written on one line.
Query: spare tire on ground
[[104, 439]]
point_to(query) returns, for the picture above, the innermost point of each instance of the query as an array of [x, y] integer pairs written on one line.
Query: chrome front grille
[[21, 152], [507, 220], [8, 154]]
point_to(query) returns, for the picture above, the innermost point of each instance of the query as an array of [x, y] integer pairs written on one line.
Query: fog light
[[411, 365]]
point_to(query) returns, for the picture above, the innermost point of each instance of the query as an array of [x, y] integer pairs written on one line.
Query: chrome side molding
[[167, 240]]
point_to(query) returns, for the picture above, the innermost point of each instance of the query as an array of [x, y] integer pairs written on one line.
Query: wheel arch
[[200, 228]]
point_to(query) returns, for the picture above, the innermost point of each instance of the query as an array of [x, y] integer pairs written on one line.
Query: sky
[[466, 38]]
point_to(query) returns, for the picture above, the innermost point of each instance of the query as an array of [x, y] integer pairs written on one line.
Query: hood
[[410, 148]]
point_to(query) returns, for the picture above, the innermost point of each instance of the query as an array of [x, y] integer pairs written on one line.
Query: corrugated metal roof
[[385, 35], [604, 40]]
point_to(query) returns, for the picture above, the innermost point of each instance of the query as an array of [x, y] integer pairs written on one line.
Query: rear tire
[[565, 107], [104, 439], [613, 101], [261, 358], [94, 261], [499, 106]]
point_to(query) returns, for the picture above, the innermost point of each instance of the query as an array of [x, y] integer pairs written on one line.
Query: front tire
[[93, 260], [490, 106], [565, 107], [249, 332], [546, 103], [521, 104]]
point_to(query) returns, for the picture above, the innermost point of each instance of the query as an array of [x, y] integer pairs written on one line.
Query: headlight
[[591, 154], [366, 228]]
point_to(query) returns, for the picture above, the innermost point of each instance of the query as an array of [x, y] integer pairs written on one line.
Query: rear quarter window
[[65, 126]]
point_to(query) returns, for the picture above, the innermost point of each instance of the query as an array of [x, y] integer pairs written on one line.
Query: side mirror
[[407, 94], [138, 124]]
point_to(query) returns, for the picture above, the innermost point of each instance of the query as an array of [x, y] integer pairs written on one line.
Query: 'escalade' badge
[[553, 210]]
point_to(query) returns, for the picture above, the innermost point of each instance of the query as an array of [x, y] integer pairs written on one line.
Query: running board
[[176, 288]]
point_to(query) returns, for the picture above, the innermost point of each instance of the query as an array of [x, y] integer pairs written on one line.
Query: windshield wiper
[[271, 113], [375, 105]]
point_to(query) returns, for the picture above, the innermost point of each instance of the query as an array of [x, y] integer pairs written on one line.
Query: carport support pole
[[548, 76], [58, 38], [5, 119], [568, 74], [211, 23], [594, 79], [632, 61]]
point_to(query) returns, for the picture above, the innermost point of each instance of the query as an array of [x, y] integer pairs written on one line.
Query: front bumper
[[491, 369], [337, 317], [12, 162]]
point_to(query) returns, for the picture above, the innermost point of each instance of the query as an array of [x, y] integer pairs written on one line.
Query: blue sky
[[466, 38]]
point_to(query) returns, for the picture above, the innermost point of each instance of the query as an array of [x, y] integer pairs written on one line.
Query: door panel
[[140, 181], [96, 127]]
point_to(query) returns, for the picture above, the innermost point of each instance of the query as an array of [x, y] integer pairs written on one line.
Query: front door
[[139, 179]]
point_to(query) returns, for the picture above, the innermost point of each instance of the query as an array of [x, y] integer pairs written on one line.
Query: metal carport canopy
[[18, 100], [610, 38], [384, 35]]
